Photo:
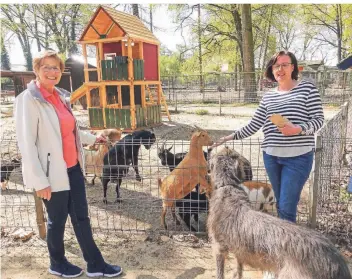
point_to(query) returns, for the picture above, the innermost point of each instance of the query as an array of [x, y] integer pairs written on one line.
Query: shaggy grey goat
[[260, 240]]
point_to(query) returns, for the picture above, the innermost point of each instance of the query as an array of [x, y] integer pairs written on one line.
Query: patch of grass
[[201, 112]]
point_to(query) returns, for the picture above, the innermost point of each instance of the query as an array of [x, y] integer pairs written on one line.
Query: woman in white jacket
[[52, 161]]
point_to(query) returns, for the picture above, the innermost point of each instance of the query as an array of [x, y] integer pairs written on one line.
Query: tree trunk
[[135, 10], [248, 55], [266, 38], [151, 17], [339, 32], [73, 49], [201, 80], [238, 26], [36, 31]]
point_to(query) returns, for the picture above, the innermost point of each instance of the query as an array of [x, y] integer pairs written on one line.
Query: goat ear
[[169, 148]]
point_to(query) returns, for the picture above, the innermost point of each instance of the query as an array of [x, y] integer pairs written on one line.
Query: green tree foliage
[[5, 59]]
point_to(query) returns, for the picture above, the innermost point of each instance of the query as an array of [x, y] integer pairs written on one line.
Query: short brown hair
[[44, 54], [269, 67]]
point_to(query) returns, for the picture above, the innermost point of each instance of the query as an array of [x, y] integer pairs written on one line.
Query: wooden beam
[[103, 104], [100, 56], [143, 96], [106, 40], [90, 70], [119, 96], [130, 61], [89, 99], [159, 85], [131, 78], [141, 55], [86, 74], [117, 82], [113, 106], [146, 82], [149, 41]]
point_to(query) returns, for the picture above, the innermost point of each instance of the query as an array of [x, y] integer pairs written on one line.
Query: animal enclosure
[[141, 203]]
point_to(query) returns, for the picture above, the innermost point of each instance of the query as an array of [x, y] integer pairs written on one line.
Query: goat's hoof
[[105, 201], [118, 200]]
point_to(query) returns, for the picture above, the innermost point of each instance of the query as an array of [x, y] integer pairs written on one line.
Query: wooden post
[[103, 104], [159, 85], [40, 216], [313, 195], [143, 96], [141, 55], [123, 48], [89, 98], [119, 96], [99, 56], [131, 78], [86, 73]]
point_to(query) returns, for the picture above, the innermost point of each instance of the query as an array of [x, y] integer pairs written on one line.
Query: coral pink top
[[67, 126]]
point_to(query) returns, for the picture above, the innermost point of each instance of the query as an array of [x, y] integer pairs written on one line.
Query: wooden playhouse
[[128, 74]]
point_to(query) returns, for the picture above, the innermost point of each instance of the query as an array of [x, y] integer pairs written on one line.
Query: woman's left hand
[[290, 129], [100, 139]]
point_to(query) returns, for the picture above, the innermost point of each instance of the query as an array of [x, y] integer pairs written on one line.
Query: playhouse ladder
[[163, 102], [151, 98]]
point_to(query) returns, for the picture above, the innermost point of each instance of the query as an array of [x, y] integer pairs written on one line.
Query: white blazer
[[40, 142]]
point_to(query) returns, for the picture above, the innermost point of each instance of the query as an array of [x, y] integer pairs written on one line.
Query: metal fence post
[[219, 102], [175, 94], [40, 216], [313, 195]]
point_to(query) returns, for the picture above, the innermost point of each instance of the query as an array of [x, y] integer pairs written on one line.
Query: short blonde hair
[[44, 54]]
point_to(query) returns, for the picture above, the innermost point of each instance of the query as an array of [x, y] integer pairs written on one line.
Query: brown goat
[[191, 171], [94, 154]]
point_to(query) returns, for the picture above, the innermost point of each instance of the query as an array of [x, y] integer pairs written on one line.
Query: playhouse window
[[109, 56]]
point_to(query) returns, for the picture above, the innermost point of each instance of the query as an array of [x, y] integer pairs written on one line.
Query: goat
[[94, 154], [171, 160], [167, 158], [121, 156], [191, 205], [260, 240], [260, 194], [6, 170], [191, 171]]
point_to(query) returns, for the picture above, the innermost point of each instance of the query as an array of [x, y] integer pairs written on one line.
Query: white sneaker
[[268, 275]]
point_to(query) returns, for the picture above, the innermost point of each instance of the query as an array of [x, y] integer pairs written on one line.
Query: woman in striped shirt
[[287, 152]]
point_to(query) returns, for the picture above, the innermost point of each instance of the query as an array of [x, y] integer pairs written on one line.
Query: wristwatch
[[303, 132]]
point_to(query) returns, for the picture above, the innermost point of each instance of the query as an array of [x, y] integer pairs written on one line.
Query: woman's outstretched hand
[[222, 140]]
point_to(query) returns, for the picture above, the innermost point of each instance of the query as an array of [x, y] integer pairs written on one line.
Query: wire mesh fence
[[332, 203], [225, 89], [140, 205]]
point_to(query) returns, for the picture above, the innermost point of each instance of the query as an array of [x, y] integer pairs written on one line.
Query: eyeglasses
[[47, 69], [284, 66]]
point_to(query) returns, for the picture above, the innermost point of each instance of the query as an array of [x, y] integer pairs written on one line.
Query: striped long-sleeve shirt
[[301, 105]]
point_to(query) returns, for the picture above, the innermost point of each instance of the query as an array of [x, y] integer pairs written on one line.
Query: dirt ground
[[128, 234]]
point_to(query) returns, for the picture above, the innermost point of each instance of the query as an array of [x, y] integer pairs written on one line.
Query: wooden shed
[[128, 74], [22, 78]]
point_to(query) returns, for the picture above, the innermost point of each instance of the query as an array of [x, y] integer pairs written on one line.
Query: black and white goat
[[123, 155]]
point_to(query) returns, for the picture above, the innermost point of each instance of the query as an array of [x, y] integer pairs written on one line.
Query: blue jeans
[[73, 202], [288, 175]]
